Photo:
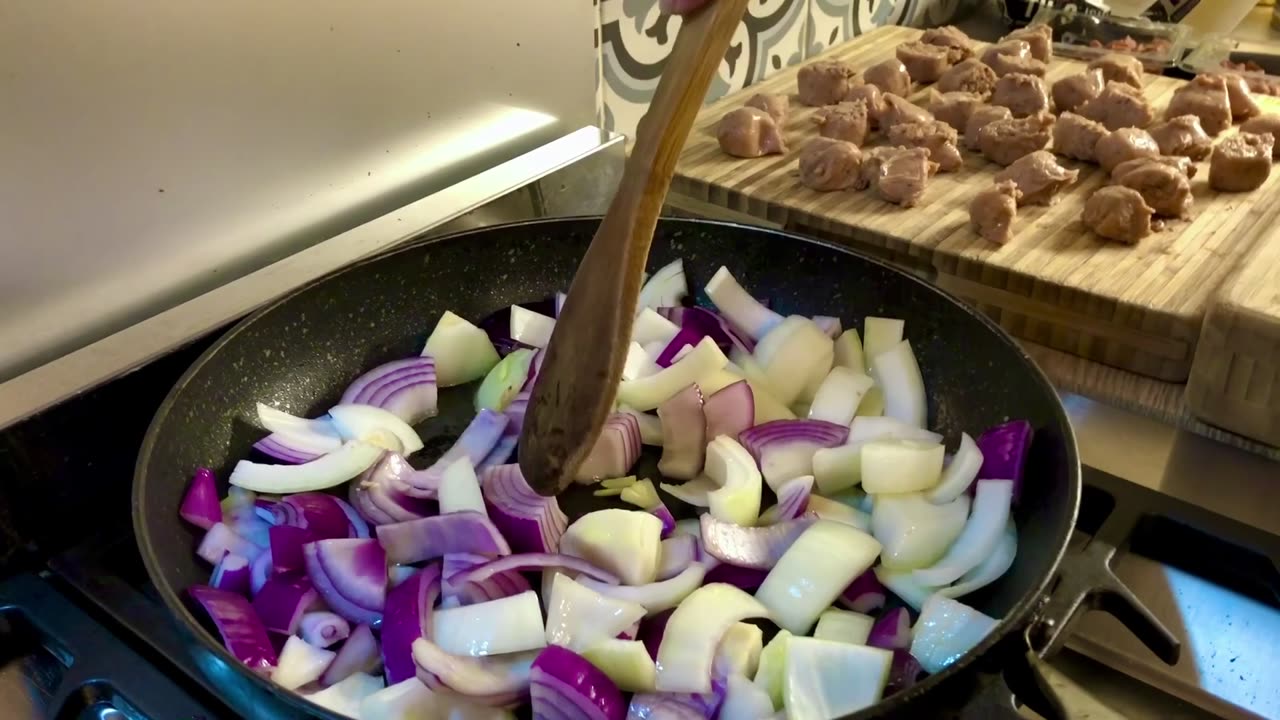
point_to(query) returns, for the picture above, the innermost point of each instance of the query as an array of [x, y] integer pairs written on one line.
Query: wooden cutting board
[[1235, 380], [1138, 308]]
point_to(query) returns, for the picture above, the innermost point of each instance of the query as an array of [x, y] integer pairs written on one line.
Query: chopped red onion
[[707, 323], [200, 506], [351, 576], [667, 706], [359, 654], [406, 388], [678, 553], [286, 548], [240, 627], [904, 672], [532, 561], [892, 630], [432, 537], [564, 686], [865, 594], [745, 579], [379, 493], [283, 600], [407, 618], [1005, 449], [751, 547], [615, 451], [499, 585], [529, 521], [730, 410], [259, 572], [231, 574], [793, 500], [323, 628], [684, 443], [475, 442], [784, 448], [320, 513]]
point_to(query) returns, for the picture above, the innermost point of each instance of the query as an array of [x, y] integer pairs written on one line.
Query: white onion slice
[[915, 533], [771, 671], [344, 697], [812, 573], [901, 466], [729, 465], [627, 543], [300, 663], [460, 489], [960, 474], [980, 537], [990, 570], [626, 662], [829, 509], [531, 328], [898, 375], [366, 423], [324, 472], [579, 618], [904, 585], [826, 679], [656, 596], [744, 700], [737, 305], [462, 351], [879, 334], [849, 353], [866, 429], [839, 395], [693, 632], [638, 363], [795, 356], [666, 287], [696, 492], [498, 627], [411, 700], [837, 468], [318, 435], [650, 328], [946, 630], [739, 650], [844, 626], [649, 392]]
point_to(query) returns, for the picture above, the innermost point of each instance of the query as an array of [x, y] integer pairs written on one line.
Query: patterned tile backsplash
[[635, 39]]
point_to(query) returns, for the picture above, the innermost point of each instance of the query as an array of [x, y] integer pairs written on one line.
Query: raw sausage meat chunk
[[1013, 56], [959, 46], [1241, 162], [972, 75], [1182, 135], [1077, 137], [898, 110], [925, 63], [890, 76], [827, 164], [1125, 144], [1038, 176], [981, 117], [1243, 106], [1023, 94], [778, 106], [953, 108], [748, 132], [991, 212], [1070, 93], [824, 82], [935, 136], [1118, 213], [1120, 68], [1263, 124], [1004, 141], [1039, 37], [846, 121], [1119, 106], [1205, 96], [1164, 188]]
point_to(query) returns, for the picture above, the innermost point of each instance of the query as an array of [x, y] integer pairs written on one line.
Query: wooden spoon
[[575, 388]]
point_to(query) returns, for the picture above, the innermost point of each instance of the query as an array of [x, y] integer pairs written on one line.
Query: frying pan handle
[[1086, 582]]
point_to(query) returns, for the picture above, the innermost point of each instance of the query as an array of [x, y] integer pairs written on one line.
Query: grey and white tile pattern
[[636, 38]]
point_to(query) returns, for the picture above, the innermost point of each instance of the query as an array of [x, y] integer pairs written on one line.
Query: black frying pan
[[299, 354]]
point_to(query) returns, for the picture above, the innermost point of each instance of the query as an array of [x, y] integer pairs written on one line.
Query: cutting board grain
[[1235, 380], [1137, 308]]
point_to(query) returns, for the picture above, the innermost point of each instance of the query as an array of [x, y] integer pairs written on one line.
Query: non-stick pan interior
[[299, 354]]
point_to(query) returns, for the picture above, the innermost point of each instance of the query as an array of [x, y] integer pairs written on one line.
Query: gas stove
[[83, 633]]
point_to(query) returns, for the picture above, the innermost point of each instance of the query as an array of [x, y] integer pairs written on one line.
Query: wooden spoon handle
[[575, 388]]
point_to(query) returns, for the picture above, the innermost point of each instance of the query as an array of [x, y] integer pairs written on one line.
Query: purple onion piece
[[351, 576], [530, 522], [322, 628], [286, 548], [866, 594], [730, 410], [904, 672], [282, 601], [407, 618], [200, 505], [240, 627], [1005, 449], [892, 630], [231, 574], [475, 442], [434, 537], [758, 548], [221, 540], [406, 388], [565, 686]]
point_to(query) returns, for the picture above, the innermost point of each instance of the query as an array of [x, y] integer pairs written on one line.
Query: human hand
[[680, 7]]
